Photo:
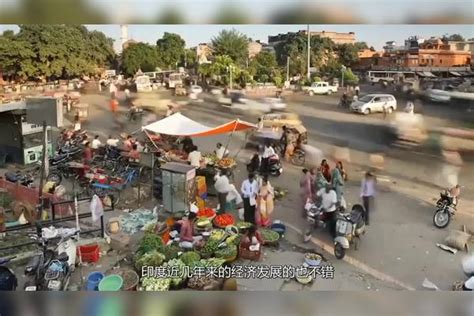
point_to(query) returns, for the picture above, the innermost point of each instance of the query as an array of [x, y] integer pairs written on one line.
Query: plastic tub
[[279, 228], [93, 281], [111, 283], [89, 253], [130, 279]]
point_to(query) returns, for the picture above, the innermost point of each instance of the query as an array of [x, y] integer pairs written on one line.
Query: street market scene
[[312, 161]]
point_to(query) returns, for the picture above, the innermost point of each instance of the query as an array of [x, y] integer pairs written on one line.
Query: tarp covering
[[180, 125], [454, 73]]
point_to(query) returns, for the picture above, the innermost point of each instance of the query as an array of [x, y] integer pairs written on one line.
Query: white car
[[373, 103], [276, 104], [195, 89], [320, 88]]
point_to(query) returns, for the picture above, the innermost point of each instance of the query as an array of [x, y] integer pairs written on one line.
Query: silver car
[[373, 103]]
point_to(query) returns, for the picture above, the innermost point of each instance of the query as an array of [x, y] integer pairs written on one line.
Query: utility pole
[[185, 59], [343, 69], [288, 68], [308, 75]]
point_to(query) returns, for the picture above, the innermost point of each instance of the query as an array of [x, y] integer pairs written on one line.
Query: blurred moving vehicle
[[180, 90], [195, 89], [373, 103], [278, 120], [320, 88], [143, 84], [276, 104]]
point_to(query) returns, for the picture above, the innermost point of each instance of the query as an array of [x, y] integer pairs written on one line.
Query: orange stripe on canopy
[[234, 126]]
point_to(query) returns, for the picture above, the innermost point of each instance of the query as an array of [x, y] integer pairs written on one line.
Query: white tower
[[123, 35]]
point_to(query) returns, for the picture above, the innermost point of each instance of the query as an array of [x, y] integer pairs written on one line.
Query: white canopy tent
[[176, 124]]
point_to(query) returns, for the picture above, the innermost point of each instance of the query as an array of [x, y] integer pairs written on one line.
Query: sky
[[374, 35]]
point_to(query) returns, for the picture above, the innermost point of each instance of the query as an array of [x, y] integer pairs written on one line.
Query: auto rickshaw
[[180, 90]]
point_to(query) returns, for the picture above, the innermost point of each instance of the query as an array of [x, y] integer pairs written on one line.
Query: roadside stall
[[178, 125]]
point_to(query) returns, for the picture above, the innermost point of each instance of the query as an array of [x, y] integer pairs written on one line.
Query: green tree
[[453, 37], [347, 54], [55, 51], [350, 78], [220, 70], [170, 50], [232, 44], [263, 66], [139, 56], [361, 45]]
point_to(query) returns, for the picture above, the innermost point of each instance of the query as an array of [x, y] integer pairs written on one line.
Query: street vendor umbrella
[[176, 125], [180, 125]]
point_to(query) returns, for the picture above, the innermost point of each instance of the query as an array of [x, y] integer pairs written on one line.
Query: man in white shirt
[[112, 90], [113, 142], [268, 151], [220, 151], [329, 202], [222, 187], [249, 192], [195, 157], [96, 143]]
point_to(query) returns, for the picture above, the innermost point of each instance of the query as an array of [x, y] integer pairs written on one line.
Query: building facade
[[416, 53], [336, 37]]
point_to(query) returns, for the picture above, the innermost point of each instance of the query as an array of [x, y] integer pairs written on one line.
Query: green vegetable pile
[[269, 235], [226, 252], [170, 252], [152, 258], [243, 225], [190, 257], [154, 284], [217, 234], [233, 240], [206, 263], [209, 248], [178, 276], [149, 243]]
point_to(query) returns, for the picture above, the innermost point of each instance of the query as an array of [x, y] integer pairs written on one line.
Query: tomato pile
[[206, 212], [224, 220]]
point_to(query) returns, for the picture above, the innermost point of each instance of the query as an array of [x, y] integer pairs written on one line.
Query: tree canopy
[[232, 44], [54, 51], [263, 66], [170, 50], [139, 56], [454, 37]]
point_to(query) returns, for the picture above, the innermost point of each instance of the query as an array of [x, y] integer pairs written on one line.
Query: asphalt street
[[401, 242]]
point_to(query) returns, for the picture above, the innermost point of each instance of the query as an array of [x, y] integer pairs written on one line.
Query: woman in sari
[[338, 181], [265, 203], [321, 181]]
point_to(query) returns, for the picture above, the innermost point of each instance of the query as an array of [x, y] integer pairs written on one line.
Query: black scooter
[[8, 279]]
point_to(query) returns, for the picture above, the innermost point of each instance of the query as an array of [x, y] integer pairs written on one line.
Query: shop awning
[[429, 74], [454, 73], [180, 125]]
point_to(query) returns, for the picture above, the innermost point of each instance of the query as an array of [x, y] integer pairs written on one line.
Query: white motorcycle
[[51, 269], [349, 228]]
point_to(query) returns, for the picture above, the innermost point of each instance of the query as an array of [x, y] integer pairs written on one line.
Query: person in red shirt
[[113, 105], [87, 153], [128, 144], [134, 154]]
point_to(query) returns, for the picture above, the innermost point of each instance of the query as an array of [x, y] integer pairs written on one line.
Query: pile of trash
[[137, 220]]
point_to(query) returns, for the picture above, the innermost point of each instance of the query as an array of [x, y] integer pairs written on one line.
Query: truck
[[320, 88]]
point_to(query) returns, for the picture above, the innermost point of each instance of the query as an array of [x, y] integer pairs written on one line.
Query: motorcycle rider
[[344, 99], [329, 204], [454, 193]]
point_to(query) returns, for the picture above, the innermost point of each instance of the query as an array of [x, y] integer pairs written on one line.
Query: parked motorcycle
[[275, 167], [134, 112], [445, 209], [349, 228], [8, 279], [26, 179], [51, 269], [316, 217]]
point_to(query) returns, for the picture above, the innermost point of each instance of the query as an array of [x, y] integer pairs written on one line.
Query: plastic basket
[[250, 255], [89, 253]]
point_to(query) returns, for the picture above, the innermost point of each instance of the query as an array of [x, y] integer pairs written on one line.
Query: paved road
[[401, 241]]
